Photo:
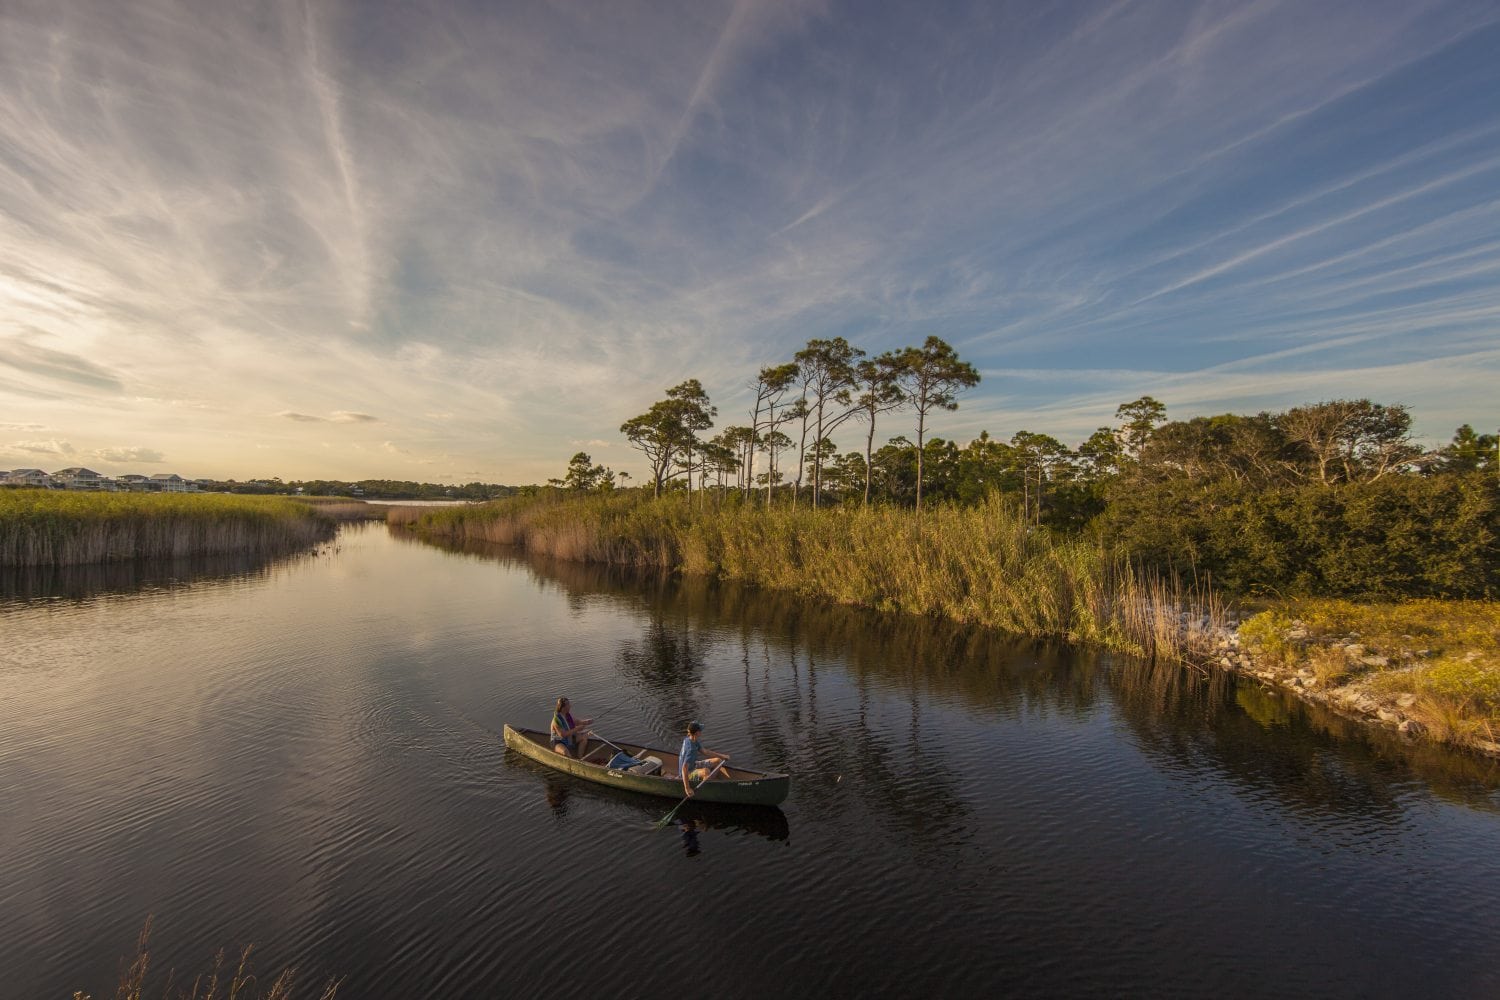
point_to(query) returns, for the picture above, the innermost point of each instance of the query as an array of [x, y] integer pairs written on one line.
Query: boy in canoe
[[569, 738], [694, 762]]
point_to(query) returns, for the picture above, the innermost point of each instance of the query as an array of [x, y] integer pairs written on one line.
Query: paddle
[[668, 817]]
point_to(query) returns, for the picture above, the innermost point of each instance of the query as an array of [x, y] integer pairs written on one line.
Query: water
[[304, 756]]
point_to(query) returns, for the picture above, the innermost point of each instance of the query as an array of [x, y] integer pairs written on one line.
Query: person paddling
[[695, 763], [569, 738]]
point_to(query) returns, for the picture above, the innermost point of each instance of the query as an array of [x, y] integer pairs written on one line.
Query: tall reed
[[980, 565], [57, 528], [222, 981]]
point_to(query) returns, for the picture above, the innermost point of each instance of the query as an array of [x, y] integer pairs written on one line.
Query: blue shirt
[[690, 754]]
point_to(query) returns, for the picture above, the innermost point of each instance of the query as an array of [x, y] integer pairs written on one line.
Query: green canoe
[[738, 785]]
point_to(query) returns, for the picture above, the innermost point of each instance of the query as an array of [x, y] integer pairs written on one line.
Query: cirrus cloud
[[336, 417], [145, 456]]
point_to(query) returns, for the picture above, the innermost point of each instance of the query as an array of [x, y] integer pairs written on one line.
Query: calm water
[[303, 756]]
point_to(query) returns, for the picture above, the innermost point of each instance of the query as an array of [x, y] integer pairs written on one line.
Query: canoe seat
[[650, 765]]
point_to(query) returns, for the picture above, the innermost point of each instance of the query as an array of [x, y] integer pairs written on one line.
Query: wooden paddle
[[668, 817]]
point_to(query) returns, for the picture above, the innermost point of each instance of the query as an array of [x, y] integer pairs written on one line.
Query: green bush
[[1398, 536]]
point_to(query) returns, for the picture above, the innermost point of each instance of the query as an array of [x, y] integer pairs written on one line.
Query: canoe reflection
[[562, 793]]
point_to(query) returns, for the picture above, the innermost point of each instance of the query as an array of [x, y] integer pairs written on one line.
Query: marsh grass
[[57, 528], [220, 982], [979, 565], [347, 509]]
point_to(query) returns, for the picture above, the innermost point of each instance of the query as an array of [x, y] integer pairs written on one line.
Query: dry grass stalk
[[980, 565], [216, 984]]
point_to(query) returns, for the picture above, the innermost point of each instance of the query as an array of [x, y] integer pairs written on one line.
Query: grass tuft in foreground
[[220, 982]]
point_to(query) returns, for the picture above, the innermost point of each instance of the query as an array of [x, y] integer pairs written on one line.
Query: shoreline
[[984, 585], [1367, 684]]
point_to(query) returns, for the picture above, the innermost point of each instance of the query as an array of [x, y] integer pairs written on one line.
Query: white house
[[171, 482], [79, 478], [133, 482], [35, 478]]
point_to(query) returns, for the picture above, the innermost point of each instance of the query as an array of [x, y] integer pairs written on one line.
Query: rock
[[1412, 727], [1354, 650], [1406, 701], [1375, 661], [1386, 715]]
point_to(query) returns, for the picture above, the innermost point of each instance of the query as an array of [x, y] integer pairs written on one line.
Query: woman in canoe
[[694, 762], [569, 738]]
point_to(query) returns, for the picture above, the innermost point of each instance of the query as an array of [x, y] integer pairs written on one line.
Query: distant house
[[171, 482], [33, 478], [133, 483], [79, 478]]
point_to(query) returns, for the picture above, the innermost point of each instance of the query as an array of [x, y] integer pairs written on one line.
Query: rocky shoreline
[[1354, 681]]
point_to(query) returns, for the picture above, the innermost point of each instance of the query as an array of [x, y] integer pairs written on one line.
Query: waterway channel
[[304, 756]]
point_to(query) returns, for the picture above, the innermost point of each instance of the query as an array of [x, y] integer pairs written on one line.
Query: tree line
[[796, 408], [1331, 497], [369, 489]]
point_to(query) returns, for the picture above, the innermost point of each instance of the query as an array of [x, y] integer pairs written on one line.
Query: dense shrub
[[1399, 535]]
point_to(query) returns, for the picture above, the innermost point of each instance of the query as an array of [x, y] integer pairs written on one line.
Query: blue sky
[[453, 242]]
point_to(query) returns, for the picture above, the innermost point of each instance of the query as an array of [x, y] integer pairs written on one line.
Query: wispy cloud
[[144, 456], [52, 447], [302, 213], [336, 417]]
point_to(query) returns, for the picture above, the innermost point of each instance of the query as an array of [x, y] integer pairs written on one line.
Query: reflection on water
[[306, 756], [77, 583], [1319, 760], [562, 792]]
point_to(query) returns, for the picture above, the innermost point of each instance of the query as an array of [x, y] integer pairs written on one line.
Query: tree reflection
[[78, 583], [1312, 761], [1308, 758]]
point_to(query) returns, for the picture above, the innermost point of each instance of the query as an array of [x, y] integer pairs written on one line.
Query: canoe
[[738, 785]]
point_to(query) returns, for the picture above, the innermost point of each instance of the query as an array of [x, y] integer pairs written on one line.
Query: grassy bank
[[977, 565], [57, 528], [1427, 666]]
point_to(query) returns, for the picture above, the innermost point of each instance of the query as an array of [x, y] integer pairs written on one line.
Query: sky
[[454, 242]]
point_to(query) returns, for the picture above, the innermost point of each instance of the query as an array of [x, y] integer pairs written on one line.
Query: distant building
[[171, 482], [79, 478], [34, 478], [133, 483]]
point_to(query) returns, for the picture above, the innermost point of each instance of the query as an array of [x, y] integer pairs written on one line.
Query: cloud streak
[[311, 214]]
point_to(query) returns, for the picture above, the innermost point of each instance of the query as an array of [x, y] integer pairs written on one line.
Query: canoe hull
[[745, 788]]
